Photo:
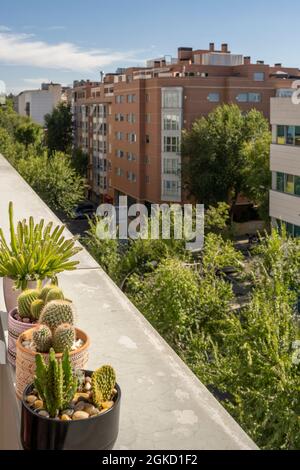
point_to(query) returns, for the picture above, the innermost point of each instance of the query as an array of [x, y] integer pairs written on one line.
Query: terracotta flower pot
[[15, 328], [11, 295], [25, 362]]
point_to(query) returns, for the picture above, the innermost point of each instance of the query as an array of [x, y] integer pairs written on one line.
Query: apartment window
[[131, 98], [171, 122], [119, 135], [284, 92], [214, 97], [147, 160], [171, 188], [280, 182], [131, 157], [259, 76], [171, 144], [171, 166], [131, 137], [249, 98], [288, 135], [148, 118], [147, 97], [119, 99], [147, 179], [131, 118], [119, 171], [289, 184], [119, 153], [119, 117], [147, 139], [131, 176], [171, 99]]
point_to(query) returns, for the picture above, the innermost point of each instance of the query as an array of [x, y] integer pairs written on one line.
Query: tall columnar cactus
[[63, 338], [45, 291], [25, 301], [56, 313], [55, 294], [56, 383], [103, 384], [42, 338], [36, 309]]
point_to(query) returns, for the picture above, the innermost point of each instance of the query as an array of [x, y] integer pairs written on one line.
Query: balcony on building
[[164, 405]]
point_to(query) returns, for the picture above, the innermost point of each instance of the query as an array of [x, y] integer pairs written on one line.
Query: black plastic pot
[[97, 433]]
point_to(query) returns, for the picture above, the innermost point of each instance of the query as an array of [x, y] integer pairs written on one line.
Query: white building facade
[[285, 164], [37, 103]]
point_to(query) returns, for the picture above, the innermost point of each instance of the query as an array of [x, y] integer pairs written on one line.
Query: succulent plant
[[36, 309], [103, 384], [56, 313], [63, 338], [55, 294], [42, 338], [56, 383], [45, 291], [25, 301]]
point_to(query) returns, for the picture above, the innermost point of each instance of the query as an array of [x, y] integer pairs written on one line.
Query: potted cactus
[[66, 409], [30, 304], [36, 253], [55, 329]]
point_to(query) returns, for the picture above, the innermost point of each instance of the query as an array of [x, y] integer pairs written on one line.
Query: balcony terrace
[[164, 405]]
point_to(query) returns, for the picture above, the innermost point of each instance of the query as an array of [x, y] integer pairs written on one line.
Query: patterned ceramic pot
[[25, 362], [15, 328]]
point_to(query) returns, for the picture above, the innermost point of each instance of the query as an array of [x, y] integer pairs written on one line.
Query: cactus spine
[[103, 384], [54, 294], [24, 302], [36, 309], [45, 291], [56, 313], [42, 338], [56, 384], [63, 338]]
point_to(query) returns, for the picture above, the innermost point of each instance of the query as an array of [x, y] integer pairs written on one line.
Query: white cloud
[[22, 49], [4, 28], [36, 81]]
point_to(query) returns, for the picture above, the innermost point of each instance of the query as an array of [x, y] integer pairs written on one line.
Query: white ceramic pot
[[11, 295]]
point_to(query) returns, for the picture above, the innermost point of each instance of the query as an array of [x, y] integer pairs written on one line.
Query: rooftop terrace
[[164, 405]]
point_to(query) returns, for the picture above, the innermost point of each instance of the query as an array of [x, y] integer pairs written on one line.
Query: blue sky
[[66, 40]]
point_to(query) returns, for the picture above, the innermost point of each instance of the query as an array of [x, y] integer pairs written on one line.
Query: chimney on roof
[[224, 47], [185, 53], [211, 47], [247, 60], [278, 65], [260, 62]]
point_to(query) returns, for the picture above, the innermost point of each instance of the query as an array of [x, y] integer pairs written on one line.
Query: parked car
[[84, 210]]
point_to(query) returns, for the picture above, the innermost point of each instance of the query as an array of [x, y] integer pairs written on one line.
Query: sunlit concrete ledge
[[164, 405]]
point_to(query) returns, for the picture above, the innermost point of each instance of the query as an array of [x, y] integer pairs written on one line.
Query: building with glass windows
[[130, 123], [285, 163]]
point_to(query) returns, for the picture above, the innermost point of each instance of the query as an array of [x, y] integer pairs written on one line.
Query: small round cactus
[[24, 302], [36, 309], [42, 338], [56, 313], [54, 294], [45, 291], [63, 338], [103, 384]]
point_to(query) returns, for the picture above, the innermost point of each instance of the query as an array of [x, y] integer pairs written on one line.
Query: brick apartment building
[[130, 122]]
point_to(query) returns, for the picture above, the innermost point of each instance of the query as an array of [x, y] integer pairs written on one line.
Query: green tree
[[59, 129], [54, 179], [29, 133], [216, 163], [80, 161]]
